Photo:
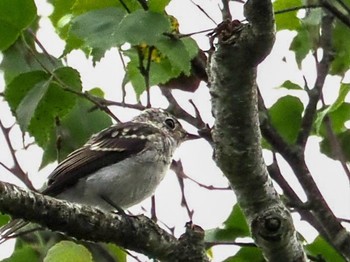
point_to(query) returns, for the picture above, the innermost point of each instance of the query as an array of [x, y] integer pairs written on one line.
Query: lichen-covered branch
[[137, 233], [236, 133]]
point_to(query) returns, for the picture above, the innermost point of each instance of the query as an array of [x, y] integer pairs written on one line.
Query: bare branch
[[16, 169], [92, 224]]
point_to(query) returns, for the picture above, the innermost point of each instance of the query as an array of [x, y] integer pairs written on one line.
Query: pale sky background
[[211, 207]]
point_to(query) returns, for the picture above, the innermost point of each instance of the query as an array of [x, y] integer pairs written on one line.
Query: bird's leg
[[113, 204]]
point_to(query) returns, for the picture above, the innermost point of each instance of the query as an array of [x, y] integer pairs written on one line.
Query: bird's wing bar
[[107, 147]]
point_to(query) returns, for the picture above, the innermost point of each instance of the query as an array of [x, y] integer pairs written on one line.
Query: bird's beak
[[191, 136]]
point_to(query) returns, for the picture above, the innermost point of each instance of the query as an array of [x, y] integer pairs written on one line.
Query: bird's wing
[[105, 148]]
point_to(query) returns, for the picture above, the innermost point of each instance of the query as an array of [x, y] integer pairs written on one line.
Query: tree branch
[[236, 134], [16, 169], [92, 224]]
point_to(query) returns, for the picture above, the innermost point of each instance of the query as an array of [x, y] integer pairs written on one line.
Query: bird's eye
[[170, 123]]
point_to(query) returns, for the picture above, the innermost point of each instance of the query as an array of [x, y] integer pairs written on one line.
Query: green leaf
[[247, 254], [21, 85], [320, 247], [44, 97], [4, 219], [234, 226], [291, 86], [158, 5], [143, 27], [61, 16], [191, 46], [160, 72], [118, 253], [74, 130], [286, 117], [343, 91], [18, 59], [98, 28], [83, 6], [23, 254], [341, 49], [15, 16], [329, 149], [288, 20], [66, 251], [176, 52], [301, 44], [339, 116], [26, 109]]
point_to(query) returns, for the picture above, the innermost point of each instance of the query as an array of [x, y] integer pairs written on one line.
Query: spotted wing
[[110, 146]]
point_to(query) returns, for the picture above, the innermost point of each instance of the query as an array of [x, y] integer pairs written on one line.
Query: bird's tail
[[12, 229]]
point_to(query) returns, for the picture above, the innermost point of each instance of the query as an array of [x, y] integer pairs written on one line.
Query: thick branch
[[236, 132], [92, 224]]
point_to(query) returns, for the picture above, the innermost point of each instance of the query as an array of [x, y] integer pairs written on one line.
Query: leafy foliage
[[23, 254], [15, 16], [286, 117], [46, 97], [33, 97], [234, 226], [320, 248], [68, 251]]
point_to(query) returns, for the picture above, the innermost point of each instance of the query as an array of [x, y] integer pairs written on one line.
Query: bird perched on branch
[[118, 167]]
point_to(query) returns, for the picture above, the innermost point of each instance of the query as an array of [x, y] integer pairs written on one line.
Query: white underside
[[126, 183]]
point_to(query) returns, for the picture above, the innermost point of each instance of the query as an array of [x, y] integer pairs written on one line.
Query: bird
[[116, 168]]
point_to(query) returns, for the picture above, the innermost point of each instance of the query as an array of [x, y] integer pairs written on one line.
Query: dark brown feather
[[106, 148]]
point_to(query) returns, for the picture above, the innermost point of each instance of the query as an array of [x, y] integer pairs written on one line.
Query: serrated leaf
[[18, 59], [143, 27], [247, 254], [291, 86], [158, 5], [26, 109], [15, 16], [343, 92], [234, 226], [285, 116], [45, 99], [66, 251], [98, 28], [176, 52], [288, 20], [320, 247], [23, 254], [74, 130], [18, 88], [191, 46]]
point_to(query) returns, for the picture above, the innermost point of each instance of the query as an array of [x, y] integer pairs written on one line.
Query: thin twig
[[179, 112], [225, 11], [16, 169], [336, 146], [204, 12], [53, 62], [176, 166], [316, 92], [296, 8]]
